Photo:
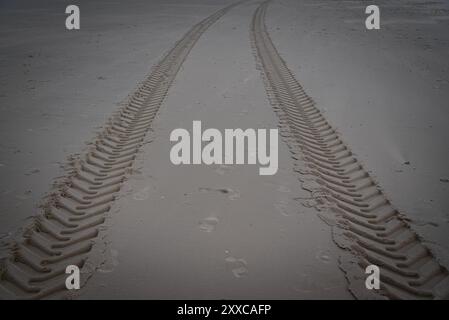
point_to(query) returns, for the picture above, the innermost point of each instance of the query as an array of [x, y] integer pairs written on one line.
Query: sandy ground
[[174, 233], [58, 87], [386, 92]]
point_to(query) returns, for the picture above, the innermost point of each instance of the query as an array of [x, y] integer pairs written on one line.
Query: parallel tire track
[[65, 232], [371, 228]]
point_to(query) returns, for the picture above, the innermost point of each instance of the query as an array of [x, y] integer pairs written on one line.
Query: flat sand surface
[[224, 231]]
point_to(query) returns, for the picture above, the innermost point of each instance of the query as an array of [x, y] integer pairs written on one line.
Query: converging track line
[[367, 224], [67, 229]]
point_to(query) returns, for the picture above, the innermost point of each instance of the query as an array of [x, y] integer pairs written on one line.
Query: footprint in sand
[[232, 195], [208, 224], [323, 256], [238, 267], [282, 208], [110, 263]]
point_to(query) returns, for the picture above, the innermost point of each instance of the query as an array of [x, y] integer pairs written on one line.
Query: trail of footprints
[[65, 232], [367, 223]]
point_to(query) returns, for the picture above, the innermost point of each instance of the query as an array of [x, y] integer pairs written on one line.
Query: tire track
[[364, 221], [70, 224]]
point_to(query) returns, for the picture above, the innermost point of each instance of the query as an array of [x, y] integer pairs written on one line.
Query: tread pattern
[[373, 230], [65, 232]]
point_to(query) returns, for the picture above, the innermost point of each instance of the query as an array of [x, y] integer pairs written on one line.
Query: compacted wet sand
[[362, 153]]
